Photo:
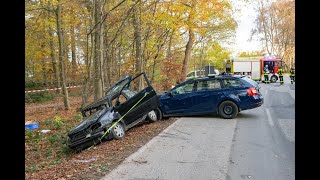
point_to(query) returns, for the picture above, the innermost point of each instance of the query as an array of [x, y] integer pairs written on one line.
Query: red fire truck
[[253, 67]]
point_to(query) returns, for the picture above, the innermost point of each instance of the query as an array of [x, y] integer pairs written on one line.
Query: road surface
[[258, 144], [264, 140]]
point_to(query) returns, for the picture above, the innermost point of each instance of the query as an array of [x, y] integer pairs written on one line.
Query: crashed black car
[[118, 100]]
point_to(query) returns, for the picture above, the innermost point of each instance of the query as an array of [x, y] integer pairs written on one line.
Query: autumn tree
[[275, 26], [98, 42]]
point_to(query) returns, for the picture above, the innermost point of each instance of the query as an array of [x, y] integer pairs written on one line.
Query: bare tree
[[61, 58]]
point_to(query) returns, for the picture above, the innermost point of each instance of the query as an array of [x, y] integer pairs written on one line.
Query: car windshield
[[118, 86], [94, 115]]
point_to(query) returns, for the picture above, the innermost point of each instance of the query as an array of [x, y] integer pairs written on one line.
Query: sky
[[245, 19]]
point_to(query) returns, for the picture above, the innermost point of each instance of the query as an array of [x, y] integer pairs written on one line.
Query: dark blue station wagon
[[223, 95]]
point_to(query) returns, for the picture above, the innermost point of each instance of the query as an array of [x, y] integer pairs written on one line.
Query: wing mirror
[[170, 94]]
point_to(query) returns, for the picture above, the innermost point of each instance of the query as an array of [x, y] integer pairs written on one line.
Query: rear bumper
[[255, 102]]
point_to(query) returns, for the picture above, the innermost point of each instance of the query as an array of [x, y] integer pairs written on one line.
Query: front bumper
[[85, 140]]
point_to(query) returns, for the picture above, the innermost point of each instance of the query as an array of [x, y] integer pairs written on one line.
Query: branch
[[105, 16]]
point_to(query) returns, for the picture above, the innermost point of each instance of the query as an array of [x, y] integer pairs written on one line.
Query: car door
[[178, 101], [207, 95], [144, 100]]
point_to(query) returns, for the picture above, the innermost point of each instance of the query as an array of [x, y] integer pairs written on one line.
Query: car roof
[[216, 77]]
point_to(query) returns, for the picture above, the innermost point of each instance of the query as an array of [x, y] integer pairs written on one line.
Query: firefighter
[[280, 72], [266, 74], [292, 72]]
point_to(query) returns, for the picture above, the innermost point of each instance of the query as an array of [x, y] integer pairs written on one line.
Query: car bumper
[[255, 102], [85, 140]]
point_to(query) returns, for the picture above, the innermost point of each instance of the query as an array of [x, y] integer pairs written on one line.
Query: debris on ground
[[31, 125], [44, 131], [86, 161]]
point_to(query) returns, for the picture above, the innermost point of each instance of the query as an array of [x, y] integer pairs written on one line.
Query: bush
[[38, 97], [34, 85]]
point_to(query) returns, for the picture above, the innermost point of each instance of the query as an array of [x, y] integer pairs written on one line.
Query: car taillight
[[252, 92]]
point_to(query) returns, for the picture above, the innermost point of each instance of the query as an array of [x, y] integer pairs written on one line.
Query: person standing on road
[[280, 72], [266, 74], [292, 72]]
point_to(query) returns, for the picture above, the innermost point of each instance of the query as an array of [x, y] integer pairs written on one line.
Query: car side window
[[122, 99], [188, 87], [208, 85], [232, 83]]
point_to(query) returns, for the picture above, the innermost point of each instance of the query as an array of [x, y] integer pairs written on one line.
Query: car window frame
[[182, 84], [214, 79], [225, 87], [127, 85]]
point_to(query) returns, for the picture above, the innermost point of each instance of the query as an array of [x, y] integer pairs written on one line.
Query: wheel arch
[[228, 99], [122, 122]]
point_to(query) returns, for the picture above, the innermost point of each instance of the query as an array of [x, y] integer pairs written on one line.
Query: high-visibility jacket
[[280, 71], [291, 72]]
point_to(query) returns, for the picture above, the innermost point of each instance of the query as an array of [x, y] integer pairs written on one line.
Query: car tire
[[273, 79], [154, 115], [118, 131], [228, 110]]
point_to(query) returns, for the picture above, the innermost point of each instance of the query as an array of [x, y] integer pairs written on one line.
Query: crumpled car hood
[[88, 121]]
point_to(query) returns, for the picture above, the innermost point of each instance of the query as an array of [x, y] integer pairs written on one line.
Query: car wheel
[[154, 115], [118, 131], [228, 110], [273, 79]]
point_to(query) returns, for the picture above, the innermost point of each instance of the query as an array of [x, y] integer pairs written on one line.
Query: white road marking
[[269, 117]]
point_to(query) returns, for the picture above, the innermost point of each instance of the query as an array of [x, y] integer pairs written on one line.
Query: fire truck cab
[[273, 66]]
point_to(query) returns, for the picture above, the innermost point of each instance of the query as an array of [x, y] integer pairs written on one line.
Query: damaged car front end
[[126, 99]]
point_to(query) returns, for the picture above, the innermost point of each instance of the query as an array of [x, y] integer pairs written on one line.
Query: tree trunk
[[54, 61], [264, 26], [137, 35], [170, 45], [187, 55], [73, 52], [61, 53], [101, 61], [97, 54], [44, 72]]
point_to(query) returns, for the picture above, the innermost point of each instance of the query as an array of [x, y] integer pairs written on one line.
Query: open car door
[[144, 98]]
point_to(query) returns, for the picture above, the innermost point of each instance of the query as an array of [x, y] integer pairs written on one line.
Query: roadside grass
[[49, 148], [39, 97], [47, 155]]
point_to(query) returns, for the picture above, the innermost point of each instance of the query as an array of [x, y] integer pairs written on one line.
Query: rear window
[[232, 83], [250, 81]]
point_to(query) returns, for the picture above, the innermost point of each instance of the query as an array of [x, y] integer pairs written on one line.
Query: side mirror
[[170, 94]]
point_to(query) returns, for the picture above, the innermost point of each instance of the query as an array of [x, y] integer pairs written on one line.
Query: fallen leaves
[[44, 160]]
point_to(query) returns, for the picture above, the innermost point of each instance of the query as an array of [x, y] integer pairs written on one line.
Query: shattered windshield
[[118, 86], [94, 115]]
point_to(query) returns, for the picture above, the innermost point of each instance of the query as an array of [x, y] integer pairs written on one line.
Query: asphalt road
[[264, 140], [259, 144]]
